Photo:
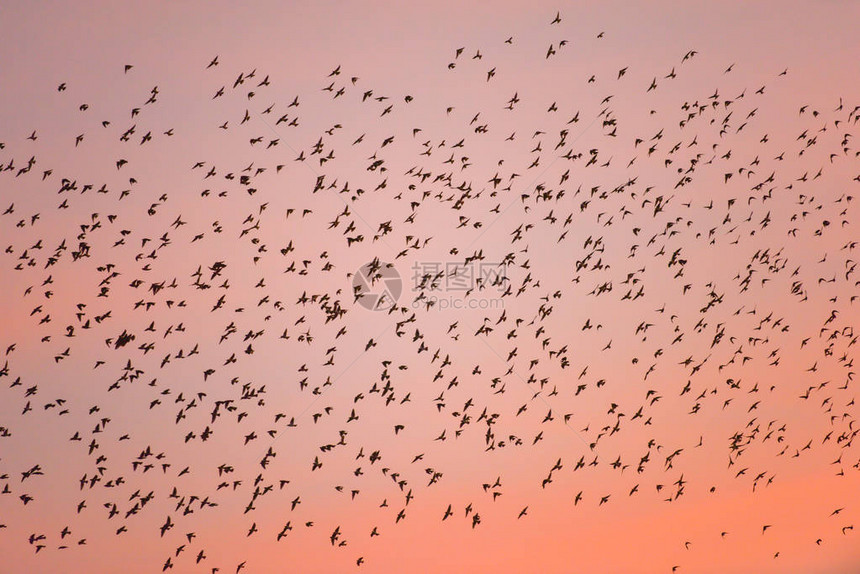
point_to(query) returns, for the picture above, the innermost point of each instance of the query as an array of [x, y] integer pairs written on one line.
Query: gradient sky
[[743, 326]]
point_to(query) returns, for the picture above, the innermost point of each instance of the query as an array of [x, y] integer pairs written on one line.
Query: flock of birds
[[696, 266]]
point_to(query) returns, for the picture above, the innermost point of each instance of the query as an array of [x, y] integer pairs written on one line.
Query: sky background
[[768, 360]]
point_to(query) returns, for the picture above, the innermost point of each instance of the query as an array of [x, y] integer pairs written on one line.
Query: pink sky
[[568, 370]]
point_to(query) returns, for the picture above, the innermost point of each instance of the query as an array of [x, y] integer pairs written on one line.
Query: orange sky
[[647, 314]]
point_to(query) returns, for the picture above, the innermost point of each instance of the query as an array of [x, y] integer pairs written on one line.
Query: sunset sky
[[636, 224]]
